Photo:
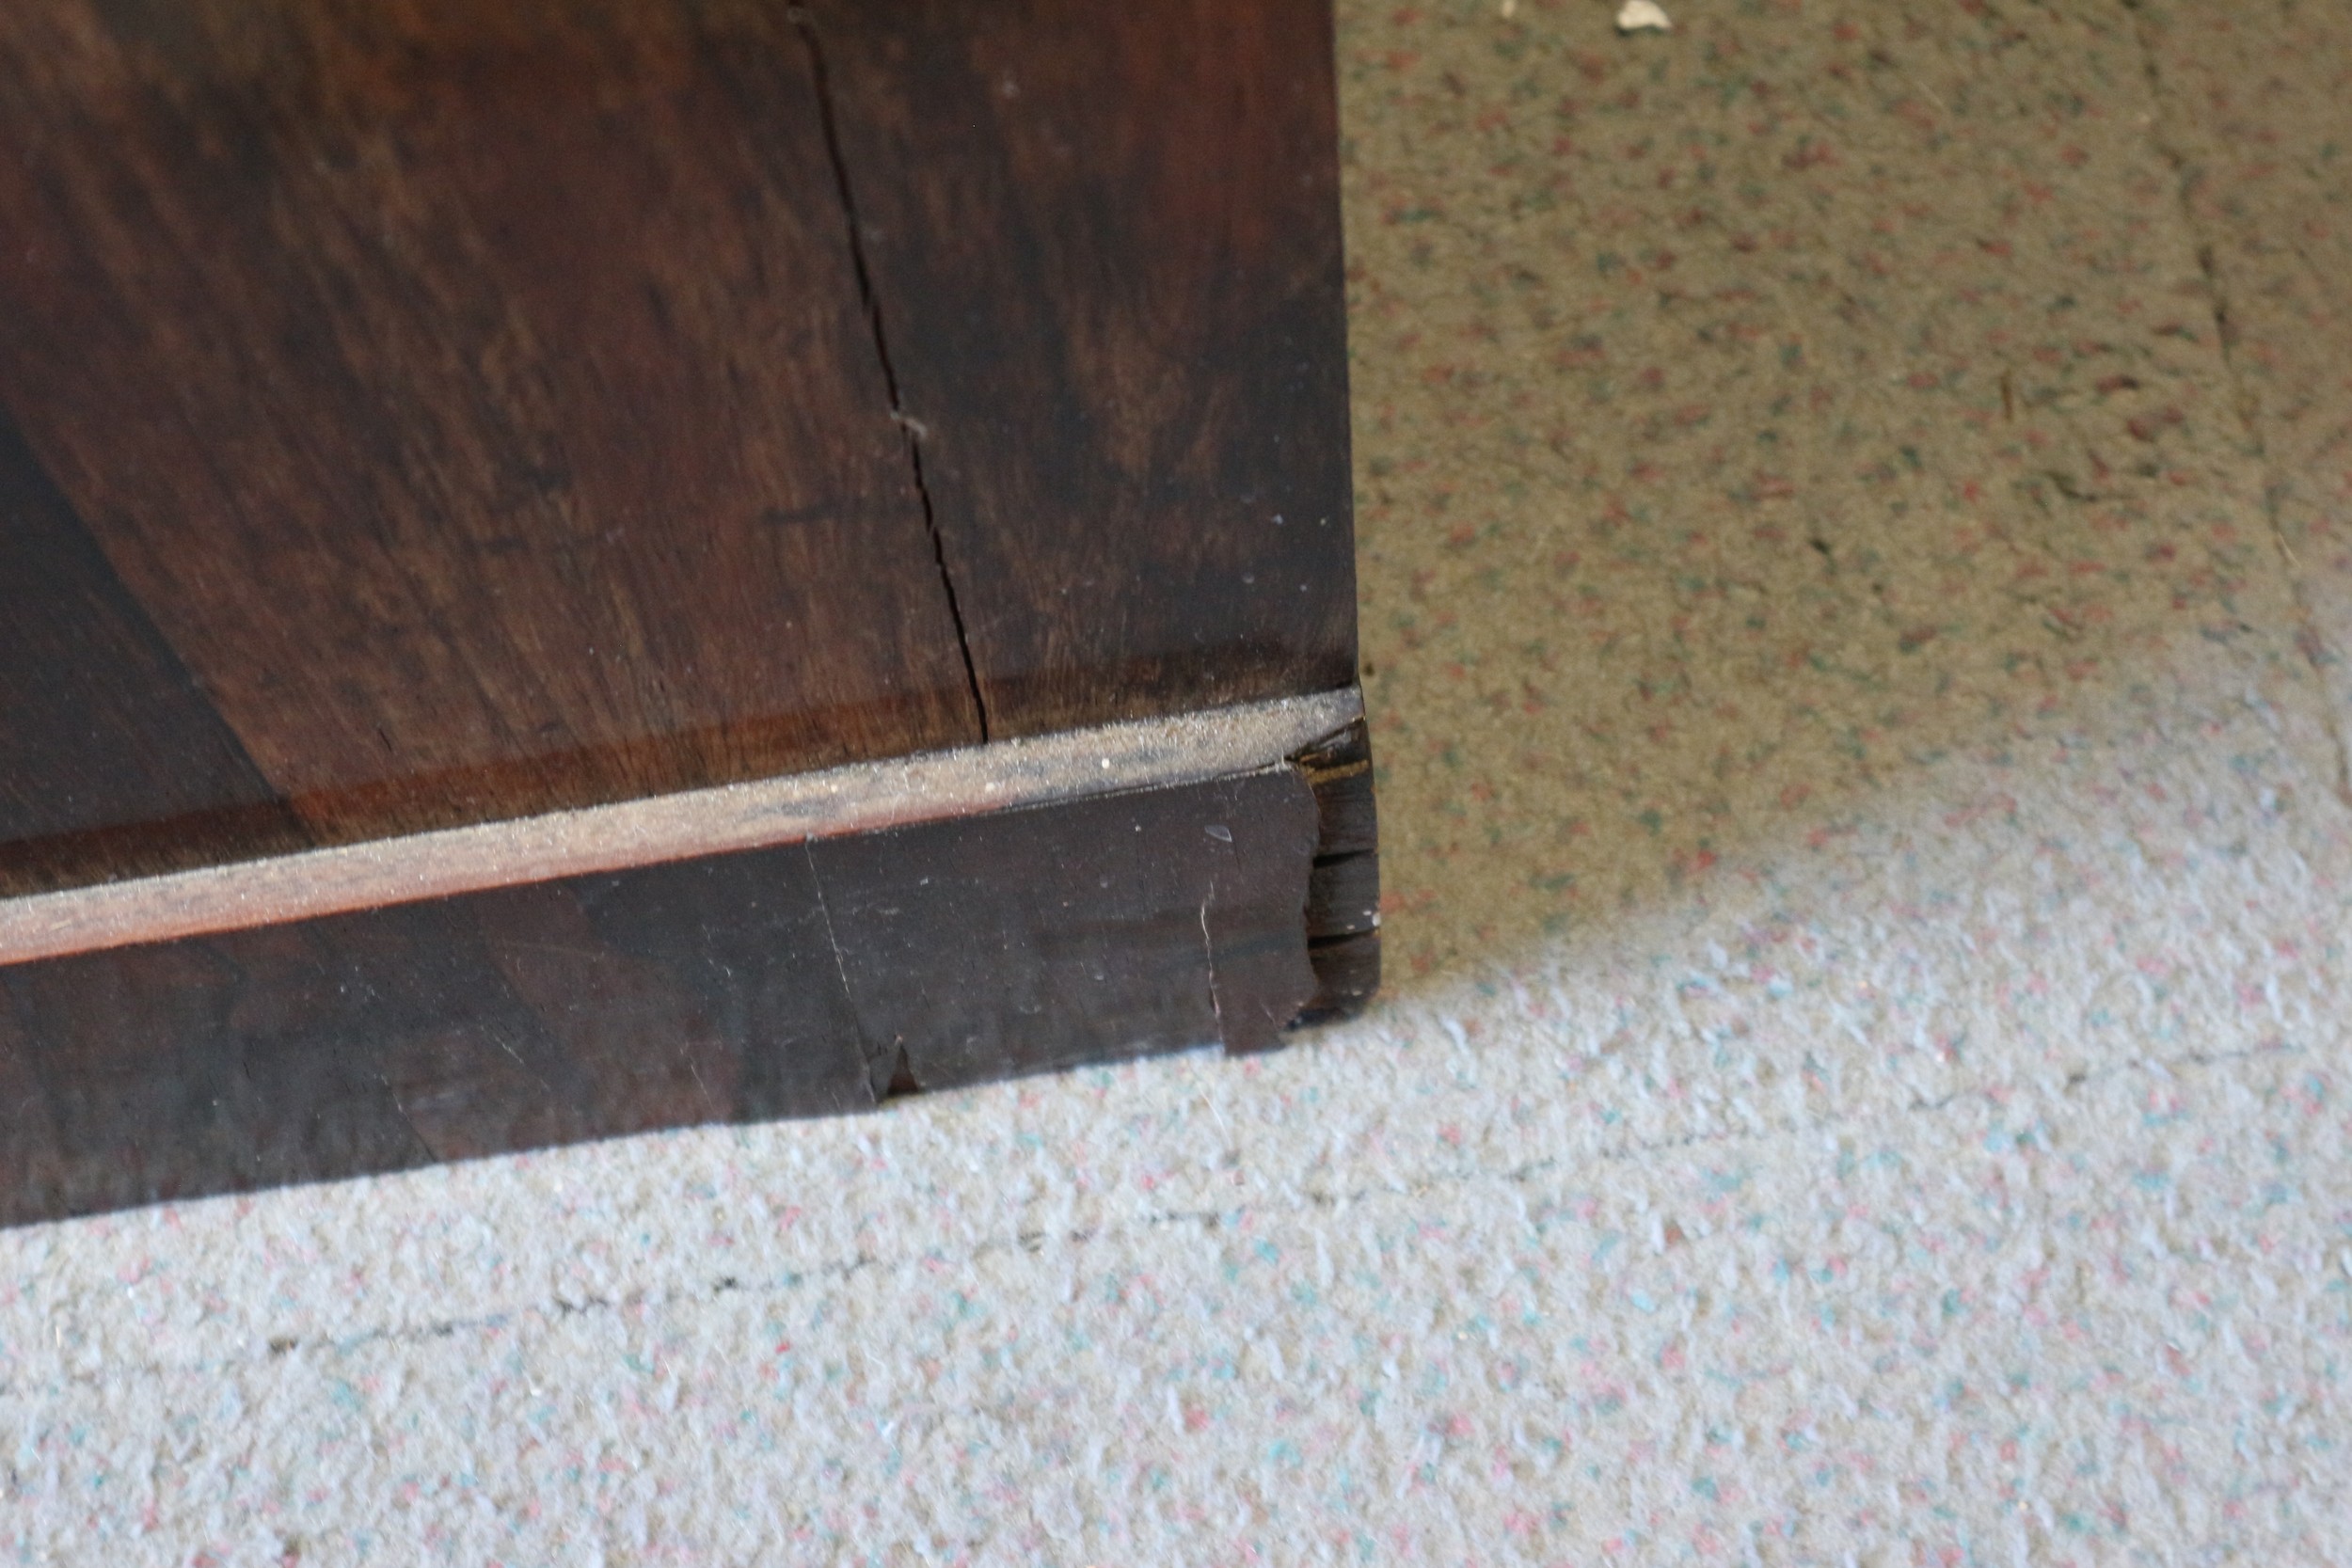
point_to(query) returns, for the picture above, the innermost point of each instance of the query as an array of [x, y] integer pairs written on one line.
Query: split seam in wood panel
[[859, 798], [911, 429]]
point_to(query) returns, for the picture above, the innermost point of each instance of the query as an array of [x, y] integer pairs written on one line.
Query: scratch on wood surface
[[1208, 953]]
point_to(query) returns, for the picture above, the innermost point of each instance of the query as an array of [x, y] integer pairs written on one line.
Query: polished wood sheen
[[497, 408], [1105, 252], [477, 397], [573, 566]]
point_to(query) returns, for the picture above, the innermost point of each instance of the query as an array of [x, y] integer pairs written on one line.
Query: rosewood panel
[[112, 762], [437, 414], [804, 981], [1108, 928], [1105, 244], [477, 397]]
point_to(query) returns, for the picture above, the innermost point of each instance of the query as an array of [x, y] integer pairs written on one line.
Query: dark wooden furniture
[[570, 566]]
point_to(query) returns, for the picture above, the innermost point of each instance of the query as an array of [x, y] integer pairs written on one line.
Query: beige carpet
[[1857, 564]]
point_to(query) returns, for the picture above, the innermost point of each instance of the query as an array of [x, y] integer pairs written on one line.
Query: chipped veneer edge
[[860, 797]]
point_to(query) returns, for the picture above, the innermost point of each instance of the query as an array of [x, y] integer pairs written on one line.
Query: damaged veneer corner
[[1343, 886], [1223, 910], [1286, 906]]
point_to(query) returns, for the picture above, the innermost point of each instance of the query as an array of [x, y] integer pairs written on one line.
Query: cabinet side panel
[[1105, 245], [478, 398]]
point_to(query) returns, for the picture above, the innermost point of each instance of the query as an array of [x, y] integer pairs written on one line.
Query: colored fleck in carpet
[[1857, 540]]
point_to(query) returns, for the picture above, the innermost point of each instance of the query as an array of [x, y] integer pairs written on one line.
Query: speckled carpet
[[1856, 511]]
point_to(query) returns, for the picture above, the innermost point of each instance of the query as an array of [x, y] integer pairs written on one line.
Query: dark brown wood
[[440, 415], [1105, 244], [477, 397], [782, 982], [487, 404], [1343, 889], [109, 755], [1208, 883]]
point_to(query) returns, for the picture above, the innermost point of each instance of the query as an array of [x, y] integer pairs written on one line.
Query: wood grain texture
[[828, 804], [807, 979], [1208, 883], [1105, 244], [498, 410], [109, 754], [435, 424], [477, 397]]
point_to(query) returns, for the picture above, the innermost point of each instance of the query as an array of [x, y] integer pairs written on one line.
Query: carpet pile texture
[[1855, 503]]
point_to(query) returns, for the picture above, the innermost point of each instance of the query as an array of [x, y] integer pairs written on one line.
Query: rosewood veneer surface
[[430, 431]]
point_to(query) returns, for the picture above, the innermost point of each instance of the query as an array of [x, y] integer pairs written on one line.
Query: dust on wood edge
[[1000, 775]]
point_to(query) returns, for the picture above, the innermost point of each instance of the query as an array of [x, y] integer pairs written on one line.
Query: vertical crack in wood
[[841, 967], [911, 429]]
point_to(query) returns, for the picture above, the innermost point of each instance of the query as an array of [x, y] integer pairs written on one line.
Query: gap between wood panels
[[861, 798]]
